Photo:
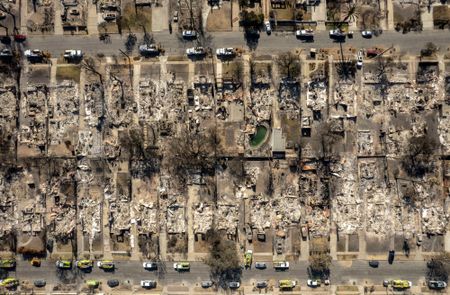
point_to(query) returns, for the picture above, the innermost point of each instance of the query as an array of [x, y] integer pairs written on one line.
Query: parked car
[[39, 283], [73, 54], [196, 51], [401, 284], [260, 265], [182, 266], [313, 283], [85, 264], [20, 38], [225, 52], [148, 284], [306, 35], [374, 263], [175, 16], [359, 59], [367, 34], [149, 265], [112, 283], [268, 27], [286, 284], [6, 53], [9, 283], [34, 54], [261, 284], [437, 285], [419, 239], [92, 283], [7, 263], [234, 285], [189, 34], [148, 49], [281, 265], [337, 34], [206, 284], [106, 264], [64, 264]]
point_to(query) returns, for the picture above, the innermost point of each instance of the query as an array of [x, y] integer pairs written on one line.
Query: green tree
[[223, 259]]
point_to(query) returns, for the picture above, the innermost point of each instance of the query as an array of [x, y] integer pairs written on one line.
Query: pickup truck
[[73, 54], [281, 265]]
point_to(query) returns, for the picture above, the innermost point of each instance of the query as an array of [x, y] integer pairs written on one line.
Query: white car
[[225, 52], [73, 54], [367, 34], [359, 59], [268, 27], [337, 34], [5, 52], [234, 285], [195, 51], [281, 265], [149, 265], [189, 34], [301, 33], [148, 49], [148, 284], [33, 53], [313, 283]]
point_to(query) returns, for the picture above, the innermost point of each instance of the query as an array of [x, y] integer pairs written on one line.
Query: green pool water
[[258, 138]]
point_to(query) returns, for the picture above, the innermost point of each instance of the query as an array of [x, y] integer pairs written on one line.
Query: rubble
[[203, 218]]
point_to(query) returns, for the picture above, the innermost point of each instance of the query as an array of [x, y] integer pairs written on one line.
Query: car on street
[[33, 53], [92, 283], [337, 35], [175, 16], [39, 283], [189, 34], [260, 265], [281, 265], [437, 285], [374, 263], [148, 284], [313, 283], [85, 264], [7, 263], [147, 265], [206, 284], [367, 34], [359, 59], [419, 240], [182, 266], [225, 52], [20, 38], [106, 264], [286, 284], [148, 49], [401, 284], [64, 264], [73, 54], [113, 283], [35, 261], [196, 51], [234, 285], [6, 53], [9, 283], [306, 35], [261, 284], [268, 27]]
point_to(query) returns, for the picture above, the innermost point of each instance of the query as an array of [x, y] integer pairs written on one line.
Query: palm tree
[[352, 12]]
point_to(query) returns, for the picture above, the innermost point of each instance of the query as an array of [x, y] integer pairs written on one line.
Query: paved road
[[358, 271], [411, 42]]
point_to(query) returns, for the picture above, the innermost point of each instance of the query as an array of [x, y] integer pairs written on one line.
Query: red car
[[20, 38]]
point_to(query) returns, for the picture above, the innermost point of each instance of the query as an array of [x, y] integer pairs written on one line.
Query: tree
[[438, 267], [193, 151], [319, 258], [417, 161], [251, 19], [352, 12], [130, 42], [223, 259], [147, 39], [384, 66], [289, 65]]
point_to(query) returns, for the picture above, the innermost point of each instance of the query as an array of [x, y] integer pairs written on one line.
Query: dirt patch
[[407, 17], [220, 19], [68, 73], [135, 20], [441, 17], [369, 18]]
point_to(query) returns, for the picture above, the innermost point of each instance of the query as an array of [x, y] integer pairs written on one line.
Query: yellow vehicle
[[286, 284], [7, 263], [248, 257], [35, 262], [64, 264], [85, 264], [92, 283], [9, 282], [182, 266], [401, 284], [106, 264]]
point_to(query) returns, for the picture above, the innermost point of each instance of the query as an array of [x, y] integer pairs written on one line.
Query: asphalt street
[[277, 42], [341, 273]]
